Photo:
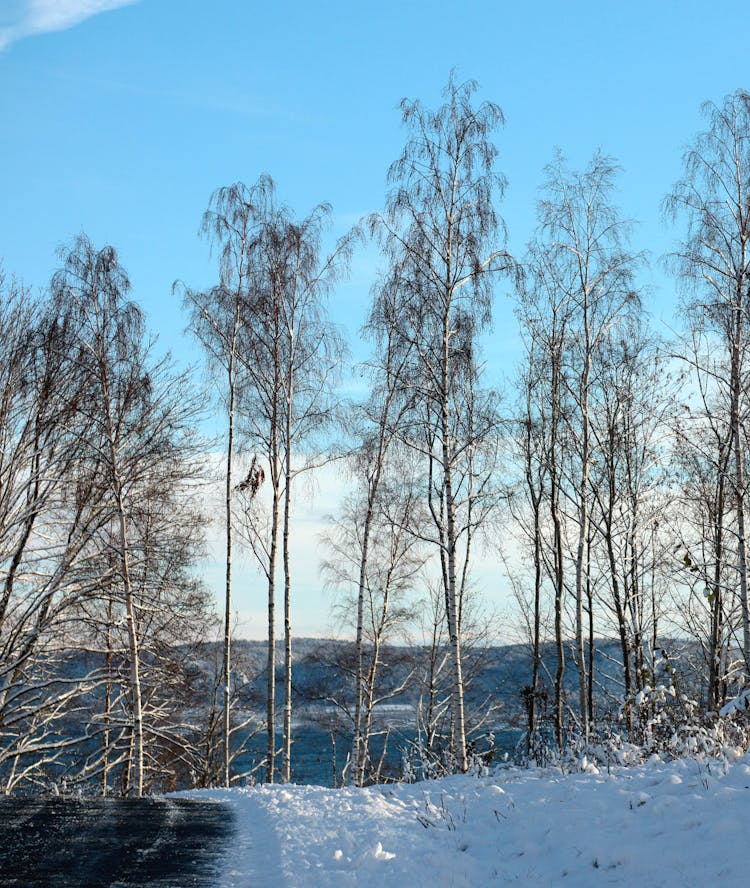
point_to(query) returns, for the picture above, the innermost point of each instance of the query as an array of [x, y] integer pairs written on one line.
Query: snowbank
[[675, 824]]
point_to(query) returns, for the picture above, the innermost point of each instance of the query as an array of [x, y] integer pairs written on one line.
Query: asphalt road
[[93, 843]]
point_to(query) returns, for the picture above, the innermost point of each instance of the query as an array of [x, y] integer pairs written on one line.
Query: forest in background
[[610, 481]]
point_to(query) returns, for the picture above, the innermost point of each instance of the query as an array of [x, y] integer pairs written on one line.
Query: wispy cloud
[[43, 16]]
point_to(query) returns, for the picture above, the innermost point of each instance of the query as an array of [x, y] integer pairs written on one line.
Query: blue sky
[[120, 118]]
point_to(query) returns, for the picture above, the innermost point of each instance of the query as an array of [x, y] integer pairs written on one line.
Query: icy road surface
[[72, 843]]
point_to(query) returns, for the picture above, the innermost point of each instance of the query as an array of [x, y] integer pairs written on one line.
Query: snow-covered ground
[[684, 823]]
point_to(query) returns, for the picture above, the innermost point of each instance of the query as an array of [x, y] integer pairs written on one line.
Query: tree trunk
[[227, 664], [135, 679], [739, 474], [558, 555], [271, 652], [287, 740], [454, 633], [583, 521], [359, 744], [715, 696], [107, 699], [134, 784]]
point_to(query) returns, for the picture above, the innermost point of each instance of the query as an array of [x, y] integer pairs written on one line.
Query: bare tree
[[634, 406], [49, 516], [231, 223], [358, 537], [705, 563], [579, 287], [713, 262], [545, 317], [133, 423], [297, 278], [440, 231], [287, 355], [375, 564], [527, 503]]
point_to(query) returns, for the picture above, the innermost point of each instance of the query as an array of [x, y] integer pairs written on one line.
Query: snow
[[660, 824]]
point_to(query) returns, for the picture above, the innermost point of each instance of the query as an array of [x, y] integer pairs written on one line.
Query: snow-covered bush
[[423, 762], [670, 722], [537, 750]]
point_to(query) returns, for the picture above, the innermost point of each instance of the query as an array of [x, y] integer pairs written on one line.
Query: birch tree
[[299, 374], [49, 516], [545, 318], [703, 456], [375, 563], [379, 425], [441, 230], [95, 285], [531, 434], [231, 223], [580, 286], [634, 405], [713, 262], [286, 355], [134, 421]]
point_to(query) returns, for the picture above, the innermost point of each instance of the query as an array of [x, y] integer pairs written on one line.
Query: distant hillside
[[323, 668], [323, 675]]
